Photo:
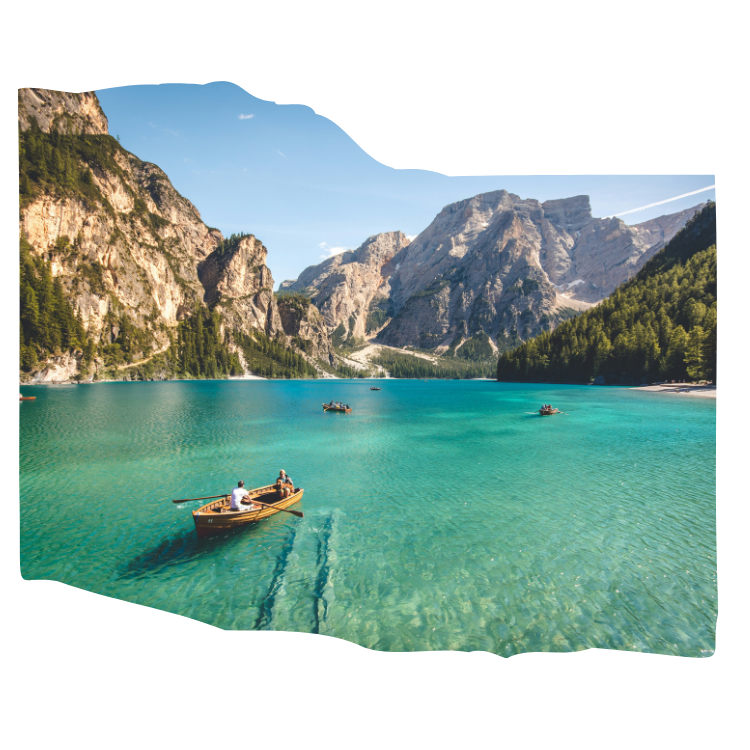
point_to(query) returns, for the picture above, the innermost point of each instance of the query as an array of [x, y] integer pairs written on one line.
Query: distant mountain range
[[121, 278], [493, 267]]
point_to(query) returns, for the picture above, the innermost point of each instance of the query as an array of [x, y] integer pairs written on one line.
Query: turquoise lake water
[[438, 515]]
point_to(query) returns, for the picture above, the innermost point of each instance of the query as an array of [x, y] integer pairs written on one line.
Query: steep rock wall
[[345, 286]]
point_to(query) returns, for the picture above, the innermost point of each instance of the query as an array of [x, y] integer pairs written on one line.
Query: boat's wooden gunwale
[[209, 523]]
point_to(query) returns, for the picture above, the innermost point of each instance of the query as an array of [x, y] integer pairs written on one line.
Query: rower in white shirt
[[238, 493]]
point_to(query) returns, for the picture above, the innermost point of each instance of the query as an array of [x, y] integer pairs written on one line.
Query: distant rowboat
[[547, 412], [342, 409], [373, 388], [217, 517], [28, 398]]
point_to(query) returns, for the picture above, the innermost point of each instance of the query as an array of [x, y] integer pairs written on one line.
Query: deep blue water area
[[438, 514]]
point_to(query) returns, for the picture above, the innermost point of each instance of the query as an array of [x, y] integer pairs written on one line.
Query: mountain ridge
[[496, 266], [127, 250]]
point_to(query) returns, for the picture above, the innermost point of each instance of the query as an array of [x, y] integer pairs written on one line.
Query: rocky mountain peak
[[66, 113], [345, 286], [569, 213]]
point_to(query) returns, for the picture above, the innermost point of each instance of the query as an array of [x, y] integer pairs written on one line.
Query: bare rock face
[[70, 114], [477, 269], [135, 250], [239, 283], [655, 233], [129, 244], [57, 370], [608, 252], [509, 268], [303, 323], [345, 286]]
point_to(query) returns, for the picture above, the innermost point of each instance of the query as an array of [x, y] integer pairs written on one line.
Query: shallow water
[[438, 515]]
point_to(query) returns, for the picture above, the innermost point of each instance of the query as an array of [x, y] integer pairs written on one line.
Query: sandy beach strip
[[682, 389]]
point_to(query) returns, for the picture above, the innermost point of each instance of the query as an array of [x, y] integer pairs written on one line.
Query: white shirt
[[237, 494]]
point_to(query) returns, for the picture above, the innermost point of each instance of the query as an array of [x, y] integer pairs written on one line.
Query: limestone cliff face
[[303, 322], [136, 252], [493, 264], [608, 252], [71, 114], [346, 286], [238, 282], [123, 241], [504, 266]]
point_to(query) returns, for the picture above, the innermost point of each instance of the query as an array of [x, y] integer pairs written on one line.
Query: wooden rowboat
[[217, 518], [548, 412], [342, 409], [28, 398]]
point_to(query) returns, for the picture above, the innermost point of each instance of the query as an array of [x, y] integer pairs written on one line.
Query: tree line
[[407, 366], [660, 325], [270, 358], [48, 323]]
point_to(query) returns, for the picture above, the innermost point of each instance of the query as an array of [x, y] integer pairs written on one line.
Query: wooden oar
[[190, 499], [297, 513]]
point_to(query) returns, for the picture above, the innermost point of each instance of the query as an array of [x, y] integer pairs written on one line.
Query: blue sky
[[301, 185]]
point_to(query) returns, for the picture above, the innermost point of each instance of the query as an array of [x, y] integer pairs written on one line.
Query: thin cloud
[[659, 203], [246, 117], [164, 130], [329, 252], [410, 237], [281, 154]]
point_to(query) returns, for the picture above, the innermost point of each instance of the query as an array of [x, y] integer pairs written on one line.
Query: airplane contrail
[[658, 203]]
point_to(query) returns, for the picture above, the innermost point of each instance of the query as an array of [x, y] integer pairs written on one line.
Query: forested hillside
[[659, 325], [121, 278], [407, 366]]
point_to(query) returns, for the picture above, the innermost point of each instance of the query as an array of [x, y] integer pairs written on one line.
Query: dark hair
[[240, 483]]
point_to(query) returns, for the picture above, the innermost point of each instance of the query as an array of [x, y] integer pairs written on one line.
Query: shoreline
[[680, 389]]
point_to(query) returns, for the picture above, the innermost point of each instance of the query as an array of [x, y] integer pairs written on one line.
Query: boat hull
[[210, 521], [326, 407]]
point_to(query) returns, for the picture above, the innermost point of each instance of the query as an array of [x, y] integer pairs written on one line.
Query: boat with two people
[[373, 388], [548, 409], [337, 406], [244, 507]]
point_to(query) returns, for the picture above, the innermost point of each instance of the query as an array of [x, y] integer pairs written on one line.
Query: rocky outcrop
[[140, 259], [60, 111], [304, 324], [348, 286], [238, 283], [493, 264], [655, 233], [608, 252], [507, 267], [57, 370], [122, 241]]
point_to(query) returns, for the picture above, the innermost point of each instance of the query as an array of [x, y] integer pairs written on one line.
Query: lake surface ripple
[[438, 515]]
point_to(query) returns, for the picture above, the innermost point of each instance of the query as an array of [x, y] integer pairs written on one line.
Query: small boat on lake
[[546, 411], [217, 517], [343, 408], [373, 388], [28, 398]]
